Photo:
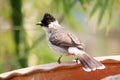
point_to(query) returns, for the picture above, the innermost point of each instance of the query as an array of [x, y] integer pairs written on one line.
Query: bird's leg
[[77, 60], [59, 59]]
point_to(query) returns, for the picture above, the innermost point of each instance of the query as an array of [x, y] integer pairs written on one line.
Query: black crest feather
[[47, 19]]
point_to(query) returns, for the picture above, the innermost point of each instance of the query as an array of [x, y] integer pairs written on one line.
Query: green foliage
[[102, 11], [110, 10], [16, 12], [95, 8], [65, 8], [103, 5], [19, 43]]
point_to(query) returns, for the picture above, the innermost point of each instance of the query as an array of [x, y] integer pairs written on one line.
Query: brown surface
[[65, 71], [113, 77]]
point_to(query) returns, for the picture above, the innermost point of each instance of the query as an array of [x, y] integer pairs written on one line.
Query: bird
[[65, 43]]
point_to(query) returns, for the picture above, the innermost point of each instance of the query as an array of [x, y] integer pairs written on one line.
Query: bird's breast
[[57, 49]]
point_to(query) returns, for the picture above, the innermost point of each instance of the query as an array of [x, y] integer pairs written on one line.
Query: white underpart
[[76, 51], [54, 24]]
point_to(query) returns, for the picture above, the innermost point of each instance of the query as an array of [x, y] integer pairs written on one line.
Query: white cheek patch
[[76, 51], [53, 24]]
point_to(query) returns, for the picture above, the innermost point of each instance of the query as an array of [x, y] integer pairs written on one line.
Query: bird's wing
[[76, 41], [65, 39]]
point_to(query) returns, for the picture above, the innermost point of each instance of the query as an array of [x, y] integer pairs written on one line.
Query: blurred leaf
[[118, 2], [84, 3], [66, 6], [96, 6], [72, 21], [110, 10], [108, 28], [35, 43], [102, 12], [81, 5], [56, 4]]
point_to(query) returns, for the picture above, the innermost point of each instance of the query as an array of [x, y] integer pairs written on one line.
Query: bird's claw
[[59, 60]]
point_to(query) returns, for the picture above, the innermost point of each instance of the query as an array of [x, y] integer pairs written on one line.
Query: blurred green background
[[23, 43]]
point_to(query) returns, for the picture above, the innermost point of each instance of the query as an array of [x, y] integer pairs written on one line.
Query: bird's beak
[[39, 23]]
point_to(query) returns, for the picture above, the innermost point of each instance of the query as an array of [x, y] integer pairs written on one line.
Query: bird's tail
[[88, 62]]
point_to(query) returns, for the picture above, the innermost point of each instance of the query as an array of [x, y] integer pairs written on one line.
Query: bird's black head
[[47, 19]]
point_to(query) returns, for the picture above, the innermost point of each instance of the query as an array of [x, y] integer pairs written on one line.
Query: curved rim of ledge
[[55, 66]]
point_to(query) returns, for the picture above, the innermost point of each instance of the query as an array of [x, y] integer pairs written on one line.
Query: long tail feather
[[88, 62]]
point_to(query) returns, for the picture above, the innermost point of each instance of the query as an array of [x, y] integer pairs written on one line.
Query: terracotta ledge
[[113, 77], [65, 71]]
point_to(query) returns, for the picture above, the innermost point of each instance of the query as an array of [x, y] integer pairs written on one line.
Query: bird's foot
[[77, 60], [59, 60]]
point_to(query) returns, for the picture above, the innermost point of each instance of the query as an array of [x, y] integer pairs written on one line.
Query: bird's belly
[[59, 50]]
